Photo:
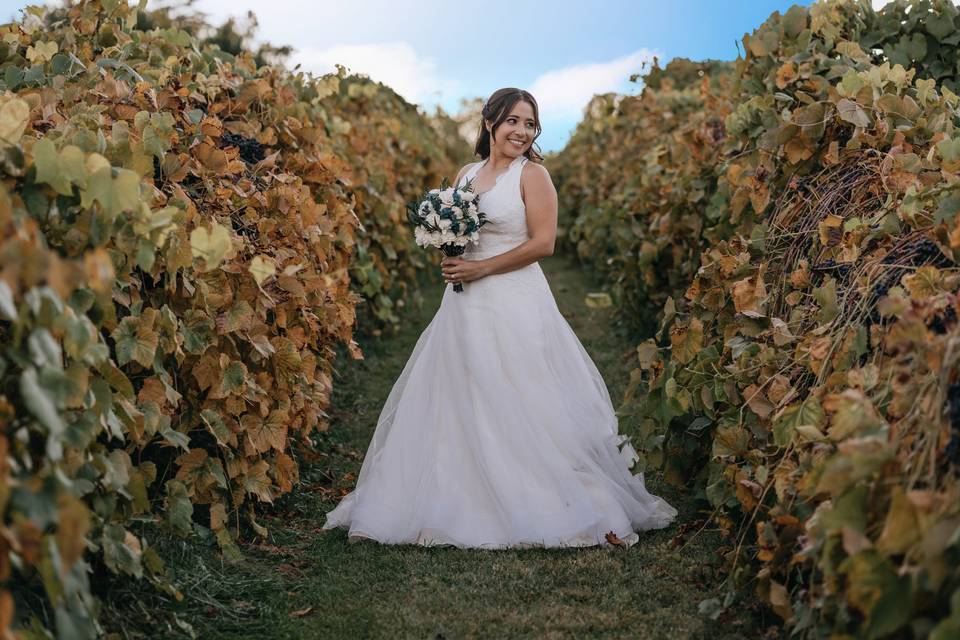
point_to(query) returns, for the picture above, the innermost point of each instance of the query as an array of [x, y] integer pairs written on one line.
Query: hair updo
[[496, 109]]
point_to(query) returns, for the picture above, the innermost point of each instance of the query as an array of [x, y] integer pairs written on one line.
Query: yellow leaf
[[598, 300], [686, 341], [14, 114], [262, 267], [42, 51], [831, 230], [901, 529], [211, 245]]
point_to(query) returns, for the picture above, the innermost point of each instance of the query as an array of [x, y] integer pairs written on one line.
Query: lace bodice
[[506, 225]]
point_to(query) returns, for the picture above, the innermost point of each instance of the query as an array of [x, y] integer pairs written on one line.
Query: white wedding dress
[[499, 432]]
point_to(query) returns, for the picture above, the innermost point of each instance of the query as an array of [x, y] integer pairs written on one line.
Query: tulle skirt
[[499, 433]]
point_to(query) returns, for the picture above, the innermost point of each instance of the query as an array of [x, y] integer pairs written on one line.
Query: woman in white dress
[[499, 432]]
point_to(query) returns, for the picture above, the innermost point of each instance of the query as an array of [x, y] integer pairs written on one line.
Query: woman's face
[[515, 134]]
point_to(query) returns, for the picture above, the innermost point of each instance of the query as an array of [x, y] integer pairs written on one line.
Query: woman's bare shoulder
[[534, 172], [535, 178], [463, 171]]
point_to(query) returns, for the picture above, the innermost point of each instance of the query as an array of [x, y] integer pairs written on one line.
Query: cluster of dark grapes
[[952, 450], [940, 322], [251, 151], [839, 268], [916, 254]]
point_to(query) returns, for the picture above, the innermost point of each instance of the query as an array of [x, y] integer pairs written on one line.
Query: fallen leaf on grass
[[301, 612], [290, 569], [614, 540]]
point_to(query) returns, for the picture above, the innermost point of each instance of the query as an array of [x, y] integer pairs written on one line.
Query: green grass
[[368, 590]]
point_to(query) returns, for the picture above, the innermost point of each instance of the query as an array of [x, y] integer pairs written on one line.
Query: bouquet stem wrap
[[452, 251]]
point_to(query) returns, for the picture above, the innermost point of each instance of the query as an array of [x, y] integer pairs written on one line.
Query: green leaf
[[235, 317], [949, 149], [47, 163], [850, 510], [179, 508], [874, 588], [135, 342], [794, 21], [826, 297], [115, 194], [73, 165], [174, 437], [197, 331], [940, 25], [43, 408], [806, 413], [234, 377], [217, 427], [12, 77], [7, 307], [853, 113], [121, 550]]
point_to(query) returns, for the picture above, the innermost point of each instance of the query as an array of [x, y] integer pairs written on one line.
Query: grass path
[[309, 583]]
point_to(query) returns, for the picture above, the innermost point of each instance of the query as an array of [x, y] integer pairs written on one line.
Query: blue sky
[[437, 52]]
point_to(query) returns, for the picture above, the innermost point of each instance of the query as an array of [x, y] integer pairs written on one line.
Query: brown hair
[[496, 110]]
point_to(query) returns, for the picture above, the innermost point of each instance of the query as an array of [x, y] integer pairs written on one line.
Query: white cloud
[[879, 4], [563, 93], [396, 64]]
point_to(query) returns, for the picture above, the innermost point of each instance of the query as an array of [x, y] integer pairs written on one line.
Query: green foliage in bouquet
[[796, 221]]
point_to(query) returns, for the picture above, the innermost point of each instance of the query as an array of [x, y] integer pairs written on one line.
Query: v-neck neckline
[[497, 179]]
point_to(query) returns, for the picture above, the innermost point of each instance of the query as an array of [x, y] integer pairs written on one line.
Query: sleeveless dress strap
[[471, 172]]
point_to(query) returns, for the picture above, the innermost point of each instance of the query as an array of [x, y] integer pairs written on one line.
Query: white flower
[[434, 192], [467, 196], [425, 207], [433, 218], [447, 236], [444, 223]]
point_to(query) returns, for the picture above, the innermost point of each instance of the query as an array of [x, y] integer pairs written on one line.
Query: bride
[[499, 432]]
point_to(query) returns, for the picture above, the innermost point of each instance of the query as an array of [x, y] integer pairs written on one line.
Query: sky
[[435, 52]]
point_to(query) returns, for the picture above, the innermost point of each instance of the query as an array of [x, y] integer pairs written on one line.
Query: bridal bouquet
[[447, 218]]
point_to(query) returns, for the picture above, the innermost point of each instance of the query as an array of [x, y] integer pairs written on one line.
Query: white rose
[[444, 223], [447, 236], [433, 218], [467, 196], [434, 192]]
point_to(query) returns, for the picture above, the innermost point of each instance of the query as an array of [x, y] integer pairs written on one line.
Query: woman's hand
[[460, 270]]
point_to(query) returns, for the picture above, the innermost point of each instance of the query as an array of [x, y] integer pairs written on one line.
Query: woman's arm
[[540, 200]]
